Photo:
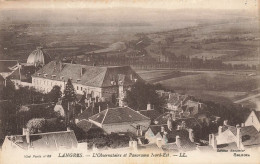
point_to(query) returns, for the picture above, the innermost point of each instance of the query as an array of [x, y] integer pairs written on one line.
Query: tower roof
[[38, 57]]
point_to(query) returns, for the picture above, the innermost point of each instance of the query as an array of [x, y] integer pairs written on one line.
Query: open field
[[219, 86], [226, 35]]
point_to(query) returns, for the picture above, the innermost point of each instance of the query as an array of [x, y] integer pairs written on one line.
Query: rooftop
[[95, 76], [46, 141], [118, 115]]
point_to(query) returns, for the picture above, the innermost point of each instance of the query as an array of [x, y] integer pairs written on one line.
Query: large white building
[[97, 82]]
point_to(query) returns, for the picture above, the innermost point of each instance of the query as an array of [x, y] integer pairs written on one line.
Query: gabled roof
[[118, 115], [46, 141], [95, 76], [152, 114], [250, 135]]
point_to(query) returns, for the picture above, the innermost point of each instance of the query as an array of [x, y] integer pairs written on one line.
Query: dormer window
[[78, 80], [45, 75], [62, 77], [135, 80], [39, 74], [52, 76]]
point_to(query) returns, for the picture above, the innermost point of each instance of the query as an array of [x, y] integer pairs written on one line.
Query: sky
[[251, 5]]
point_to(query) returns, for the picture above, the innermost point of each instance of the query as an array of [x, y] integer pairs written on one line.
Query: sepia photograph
[[129, 81]]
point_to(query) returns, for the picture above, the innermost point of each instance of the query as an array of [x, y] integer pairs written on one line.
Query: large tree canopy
[[69, 92], [141, 94], [54, 94]]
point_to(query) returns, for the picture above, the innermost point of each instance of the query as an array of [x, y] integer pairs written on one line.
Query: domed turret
[[38, 57]]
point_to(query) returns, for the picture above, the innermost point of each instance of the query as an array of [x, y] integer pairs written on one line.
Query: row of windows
[[51, 83]]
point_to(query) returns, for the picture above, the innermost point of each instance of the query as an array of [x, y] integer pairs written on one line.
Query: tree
[[141, 94], [69, 96], [54, 94], [36, 125], [8, 90]]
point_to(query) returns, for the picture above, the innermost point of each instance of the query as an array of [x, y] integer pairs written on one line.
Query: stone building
[[98, 82], [121, 119]]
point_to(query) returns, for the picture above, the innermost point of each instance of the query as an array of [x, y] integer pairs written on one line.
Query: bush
[[36, 125]]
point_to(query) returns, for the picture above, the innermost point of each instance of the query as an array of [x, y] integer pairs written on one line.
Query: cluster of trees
[[141, 94], [36, 118]]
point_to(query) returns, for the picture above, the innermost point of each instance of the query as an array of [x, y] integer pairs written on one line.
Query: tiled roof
[[246, 130], [90, 111], [46, 141], [176, 99], [190, 121], [85, 125], [185, 143], [228, 146], [257, 113], [152, 114], [250, 135], [118, 115], [95, 76]]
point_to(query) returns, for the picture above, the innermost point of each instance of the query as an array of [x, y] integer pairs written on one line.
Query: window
[[81, 88], [77, 87]]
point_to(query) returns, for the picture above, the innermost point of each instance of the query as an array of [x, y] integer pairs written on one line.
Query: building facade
[[97, 82]]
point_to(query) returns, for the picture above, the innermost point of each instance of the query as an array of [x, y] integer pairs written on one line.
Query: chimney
[[214, 142], [159, 142], [225, 122], [237, 126], [148, 106], [183, 124], [133, 145], [178, 127], [191, 135], [239, 138], [242, 124], [178, 141], [24, 131], [181, 115], [60, 66], [82, 71], [173, 116], [164, 139], [76, 120], [68, 129], [99, 109], [220, 128], [162, 129], [210, 139], [169, 124], [27, 135]]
